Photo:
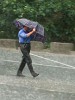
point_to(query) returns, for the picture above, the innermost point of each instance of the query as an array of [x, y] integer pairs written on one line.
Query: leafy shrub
[[57, 17]]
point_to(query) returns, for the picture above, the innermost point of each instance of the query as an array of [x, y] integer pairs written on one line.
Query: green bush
[[57, 17]]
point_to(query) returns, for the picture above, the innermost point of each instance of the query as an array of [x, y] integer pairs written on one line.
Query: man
[[25, 46]]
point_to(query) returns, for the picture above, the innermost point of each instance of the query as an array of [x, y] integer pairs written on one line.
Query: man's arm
[[34, 30], [23, 35]]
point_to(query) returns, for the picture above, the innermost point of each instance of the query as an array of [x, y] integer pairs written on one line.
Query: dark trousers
[[25, 49]]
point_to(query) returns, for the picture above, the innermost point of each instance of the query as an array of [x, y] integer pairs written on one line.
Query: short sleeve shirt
[[22, 35]]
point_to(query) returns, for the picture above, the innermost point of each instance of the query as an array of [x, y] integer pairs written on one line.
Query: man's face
[[26, 28]]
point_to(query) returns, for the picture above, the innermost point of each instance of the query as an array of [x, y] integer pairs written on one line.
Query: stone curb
[[55, 47]]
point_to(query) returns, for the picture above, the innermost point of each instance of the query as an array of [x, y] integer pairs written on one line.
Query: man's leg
[[29, 63], [22, 65], [32, 71], [26, 51]]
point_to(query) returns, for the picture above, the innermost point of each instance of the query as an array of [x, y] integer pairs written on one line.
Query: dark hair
[[23, 26]]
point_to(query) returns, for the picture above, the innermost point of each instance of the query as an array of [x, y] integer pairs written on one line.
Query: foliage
[[57, 16]]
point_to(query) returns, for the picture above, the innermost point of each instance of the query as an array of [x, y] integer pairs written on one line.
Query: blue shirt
[[22, 35]]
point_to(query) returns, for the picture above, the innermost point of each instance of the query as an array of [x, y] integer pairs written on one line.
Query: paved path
[[55, 82]]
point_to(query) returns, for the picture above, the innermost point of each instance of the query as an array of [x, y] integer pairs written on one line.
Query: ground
[[56, 80]]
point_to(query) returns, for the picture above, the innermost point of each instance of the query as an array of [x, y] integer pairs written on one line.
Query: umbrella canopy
[[39, 36], [31, 24]]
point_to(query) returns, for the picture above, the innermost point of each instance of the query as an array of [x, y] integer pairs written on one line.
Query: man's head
[[26, 28]]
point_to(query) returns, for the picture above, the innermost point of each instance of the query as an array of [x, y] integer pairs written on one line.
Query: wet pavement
[[56, 80]]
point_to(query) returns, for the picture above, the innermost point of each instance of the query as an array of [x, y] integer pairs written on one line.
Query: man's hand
[[34, 30]]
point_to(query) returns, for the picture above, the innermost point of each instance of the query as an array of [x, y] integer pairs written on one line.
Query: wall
[[55, 47]]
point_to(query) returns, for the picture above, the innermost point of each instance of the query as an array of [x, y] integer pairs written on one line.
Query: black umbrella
[[39, 36]]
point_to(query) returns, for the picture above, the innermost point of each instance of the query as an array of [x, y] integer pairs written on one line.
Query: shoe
[[34, 74], [20, 75]]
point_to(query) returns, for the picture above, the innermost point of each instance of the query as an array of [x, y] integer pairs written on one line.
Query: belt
[[24, 43]]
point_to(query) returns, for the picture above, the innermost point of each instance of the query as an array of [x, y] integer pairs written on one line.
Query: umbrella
[[39, 36]]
